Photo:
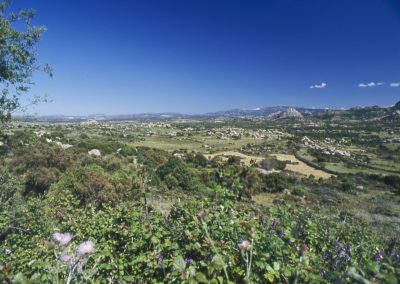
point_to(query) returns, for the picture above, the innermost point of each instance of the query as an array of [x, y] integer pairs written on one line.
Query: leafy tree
[[251, 180], [18, 59]]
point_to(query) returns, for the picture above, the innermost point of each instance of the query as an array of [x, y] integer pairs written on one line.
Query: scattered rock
[[94, 152]]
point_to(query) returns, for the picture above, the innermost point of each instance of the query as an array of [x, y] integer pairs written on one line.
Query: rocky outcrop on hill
[[285, 114]]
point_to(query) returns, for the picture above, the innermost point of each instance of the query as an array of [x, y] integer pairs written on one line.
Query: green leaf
[[20, 279], [269, 276], [201, 277], [217, 262], [287, 273], [179, 263]]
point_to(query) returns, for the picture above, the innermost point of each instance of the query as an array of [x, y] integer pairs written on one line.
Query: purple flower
[[189, 261], [85, 248], [347, 248], [65, 258], [62, 239], [345, 257], [281, 233], [322, 273], [326, 257], [378, 256], [304, 248]]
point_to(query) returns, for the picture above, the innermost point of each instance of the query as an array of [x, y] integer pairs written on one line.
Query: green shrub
[[272, 164], [9, 187], [176, 173], [393, 181], [347, 185], [105, 147], [92, 185], [40, 179]]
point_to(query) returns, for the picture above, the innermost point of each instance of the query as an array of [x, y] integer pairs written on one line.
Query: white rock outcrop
[[94, 152]]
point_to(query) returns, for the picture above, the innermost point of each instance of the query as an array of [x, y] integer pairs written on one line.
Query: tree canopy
[[18, 58]]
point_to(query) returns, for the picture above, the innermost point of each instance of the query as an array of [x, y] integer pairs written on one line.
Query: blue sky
[[196, 56]]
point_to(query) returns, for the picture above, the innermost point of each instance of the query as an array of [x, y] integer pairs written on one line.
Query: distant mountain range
[[269, 113]]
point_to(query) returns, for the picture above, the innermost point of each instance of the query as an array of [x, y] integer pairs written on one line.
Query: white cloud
[[318, 86], [395, 84], [370, 84]]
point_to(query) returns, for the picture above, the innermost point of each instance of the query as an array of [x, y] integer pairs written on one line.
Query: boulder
[[94, 152]]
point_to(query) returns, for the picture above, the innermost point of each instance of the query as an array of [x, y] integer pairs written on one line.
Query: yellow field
[[299, 167]]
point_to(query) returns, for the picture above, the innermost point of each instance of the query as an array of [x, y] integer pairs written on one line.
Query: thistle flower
[[281, 233], [85, 248], [245, 246], [62, 239], [65, 258], [189, 261], [326, 257]]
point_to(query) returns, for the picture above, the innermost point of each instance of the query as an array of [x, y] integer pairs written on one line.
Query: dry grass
[[301, 167], [298, 166]]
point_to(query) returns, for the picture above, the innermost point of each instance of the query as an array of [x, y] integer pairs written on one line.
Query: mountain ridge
[[262, 112]]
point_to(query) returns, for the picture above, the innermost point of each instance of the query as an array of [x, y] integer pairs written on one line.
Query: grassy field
[[203, 144]]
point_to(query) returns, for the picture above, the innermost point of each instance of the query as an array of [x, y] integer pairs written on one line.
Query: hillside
[[179, 200]]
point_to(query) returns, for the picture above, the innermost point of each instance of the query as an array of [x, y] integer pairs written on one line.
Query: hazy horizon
[[31, 113]]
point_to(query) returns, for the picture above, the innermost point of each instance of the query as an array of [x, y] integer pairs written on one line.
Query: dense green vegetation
[[139, 214]]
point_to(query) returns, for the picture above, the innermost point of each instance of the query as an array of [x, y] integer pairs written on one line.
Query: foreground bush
[[198, 242]]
